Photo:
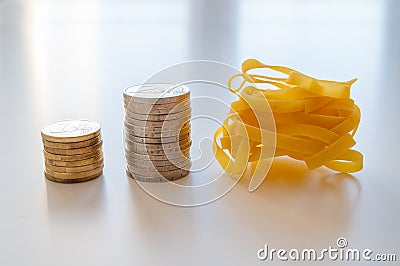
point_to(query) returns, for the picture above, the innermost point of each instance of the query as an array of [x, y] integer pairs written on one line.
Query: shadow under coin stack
[[72, 151], [157, 132]]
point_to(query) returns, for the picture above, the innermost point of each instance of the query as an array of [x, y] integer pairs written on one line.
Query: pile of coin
[[157, 132], [72, 151]]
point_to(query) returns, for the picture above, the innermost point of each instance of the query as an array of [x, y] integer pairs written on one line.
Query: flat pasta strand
[[315, 121]]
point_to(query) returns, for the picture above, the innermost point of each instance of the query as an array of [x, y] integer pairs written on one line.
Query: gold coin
[[145, 179], [179, 162], [75, 163], [162, 117], [182, 144], [155, 109], [157, 93], [72, 180], [162, 160], [128, 101], [167, 168], [158, 150], [148, 166], [142, 129], [157, 140], [67, 131], [174, 174], [151, 133], [71, 145], [74, 151], [159, 124], [157, 135], [162, 128], [84, 174], [78, 169], [180, 156], [69, 158], [165, 107]]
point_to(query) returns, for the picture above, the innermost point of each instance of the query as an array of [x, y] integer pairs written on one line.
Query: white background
[[70, 59]]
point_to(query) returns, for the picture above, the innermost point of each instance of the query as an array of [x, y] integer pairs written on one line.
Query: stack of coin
[[157, 132], [72, 151]]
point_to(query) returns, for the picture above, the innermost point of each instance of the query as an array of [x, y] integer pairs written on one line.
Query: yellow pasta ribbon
[[314, 121]]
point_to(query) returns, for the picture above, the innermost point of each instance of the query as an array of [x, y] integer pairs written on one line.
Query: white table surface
[[70, 59]]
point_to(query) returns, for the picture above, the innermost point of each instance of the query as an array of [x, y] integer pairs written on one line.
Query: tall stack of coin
[[72, 151], [157, 132]]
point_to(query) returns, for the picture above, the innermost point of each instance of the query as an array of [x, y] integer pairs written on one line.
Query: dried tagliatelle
[[314, 121]]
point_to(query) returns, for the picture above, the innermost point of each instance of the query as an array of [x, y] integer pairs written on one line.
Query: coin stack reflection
[[72, 151], [157, 132]]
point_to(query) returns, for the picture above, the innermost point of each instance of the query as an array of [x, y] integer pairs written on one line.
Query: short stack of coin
[[72, 151], [157, 132]]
